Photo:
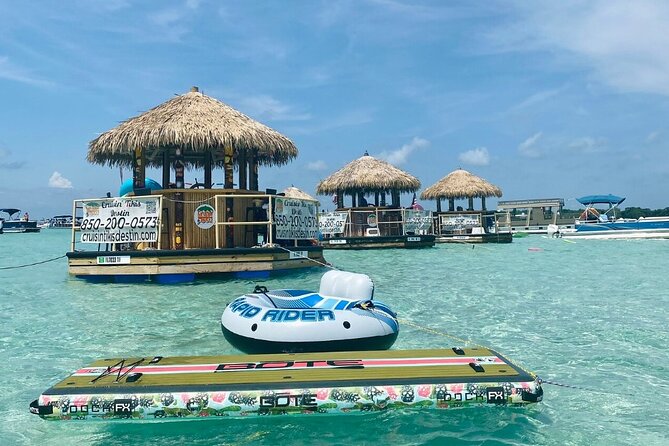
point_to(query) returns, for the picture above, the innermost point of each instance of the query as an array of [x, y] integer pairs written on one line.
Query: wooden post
[[470, 204], [207, 170], [438, 204], [227, 167], [396, 199], [228, 184], [241, 163], [138, 169], [253, 171], [376, 199], [451, 204], [383, 198], [340, 199], [353, 201], [166, 169], [483, 203], [179, 200]]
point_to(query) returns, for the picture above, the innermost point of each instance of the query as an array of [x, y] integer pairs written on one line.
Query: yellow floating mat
[[306, 383]]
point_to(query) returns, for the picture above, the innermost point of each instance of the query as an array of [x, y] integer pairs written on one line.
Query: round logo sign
[[371, 220], [205, 216]]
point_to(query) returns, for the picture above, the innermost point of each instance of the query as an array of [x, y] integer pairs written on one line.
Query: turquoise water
[[589, 314]]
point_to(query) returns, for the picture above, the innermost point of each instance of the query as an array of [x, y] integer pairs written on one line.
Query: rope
[[587, 389], [187, 201], [533, 375], [464, 342], [32, 264], [327, 265]]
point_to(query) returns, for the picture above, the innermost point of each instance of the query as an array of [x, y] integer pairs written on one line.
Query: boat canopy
[[611, 200], [10, 211]]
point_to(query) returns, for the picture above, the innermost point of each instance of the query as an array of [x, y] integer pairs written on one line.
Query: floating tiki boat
[[286, 384], [466, 226], [341, 316], [171, 234], [378, 225]]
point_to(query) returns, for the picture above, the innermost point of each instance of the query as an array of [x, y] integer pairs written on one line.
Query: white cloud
[[317, 165], [652, 136], [623, 43], [588, 144], [401, 155], [266, 107], [529, 147], [475, 157], [535, 99], [12, 72], [58, 181]]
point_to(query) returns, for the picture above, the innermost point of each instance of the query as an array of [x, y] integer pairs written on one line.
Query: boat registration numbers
[[413, 239], [337, 242], [460, 237], [113, 260], [298, 255]]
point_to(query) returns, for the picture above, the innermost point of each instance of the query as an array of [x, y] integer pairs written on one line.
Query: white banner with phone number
[[120, 220]]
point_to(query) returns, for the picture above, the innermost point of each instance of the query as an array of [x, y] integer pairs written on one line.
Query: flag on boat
[[415, 205]]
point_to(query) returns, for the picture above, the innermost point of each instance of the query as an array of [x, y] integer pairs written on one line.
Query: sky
[[543, 99]]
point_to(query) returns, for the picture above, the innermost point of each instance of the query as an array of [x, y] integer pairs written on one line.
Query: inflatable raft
[[196, 387], [341, 316]]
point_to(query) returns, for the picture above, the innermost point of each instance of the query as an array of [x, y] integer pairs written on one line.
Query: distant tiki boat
[[171, 234], [378, 225], [468, 226]]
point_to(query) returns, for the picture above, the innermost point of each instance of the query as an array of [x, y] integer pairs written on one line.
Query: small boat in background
[[62, 222], [593, 224], [12, 223]]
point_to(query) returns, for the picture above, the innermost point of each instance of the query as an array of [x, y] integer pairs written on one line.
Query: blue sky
[[543, 99]]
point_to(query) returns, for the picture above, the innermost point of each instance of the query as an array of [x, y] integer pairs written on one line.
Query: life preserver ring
[[290, 321]]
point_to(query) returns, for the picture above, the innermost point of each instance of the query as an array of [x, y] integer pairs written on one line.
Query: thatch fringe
[[368, 175], [198, 124], [460, 184]]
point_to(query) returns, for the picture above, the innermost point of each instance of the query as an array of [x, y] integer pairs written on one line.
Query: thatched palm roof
[[198, 124], [367, 175], [460, 184], [293, 192]]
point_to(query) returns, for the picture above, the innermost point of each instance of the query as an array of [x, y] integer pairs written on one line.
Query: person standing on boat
[[26, 217]]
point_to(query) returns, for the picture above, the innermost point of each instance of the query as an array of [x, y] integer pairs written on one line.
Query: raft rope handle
[[32, 264], [261, 289]]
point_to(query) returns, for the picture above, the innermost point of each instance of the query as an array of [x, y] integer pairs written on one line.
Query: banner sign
[[415, 221], [120, 220], [452, 222], [332, 223], [295, 219]]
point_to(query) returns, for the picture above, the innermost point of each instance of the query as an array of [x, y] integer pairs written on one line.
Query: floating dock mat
[[193, 387]]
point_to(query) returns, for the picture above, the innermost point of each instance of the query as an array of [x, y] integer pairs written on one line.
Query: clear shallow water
[[591, 314]]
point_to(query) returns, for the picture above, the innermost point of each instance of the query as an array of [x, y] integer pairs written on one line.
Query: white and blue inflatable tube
[[291, 321]]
